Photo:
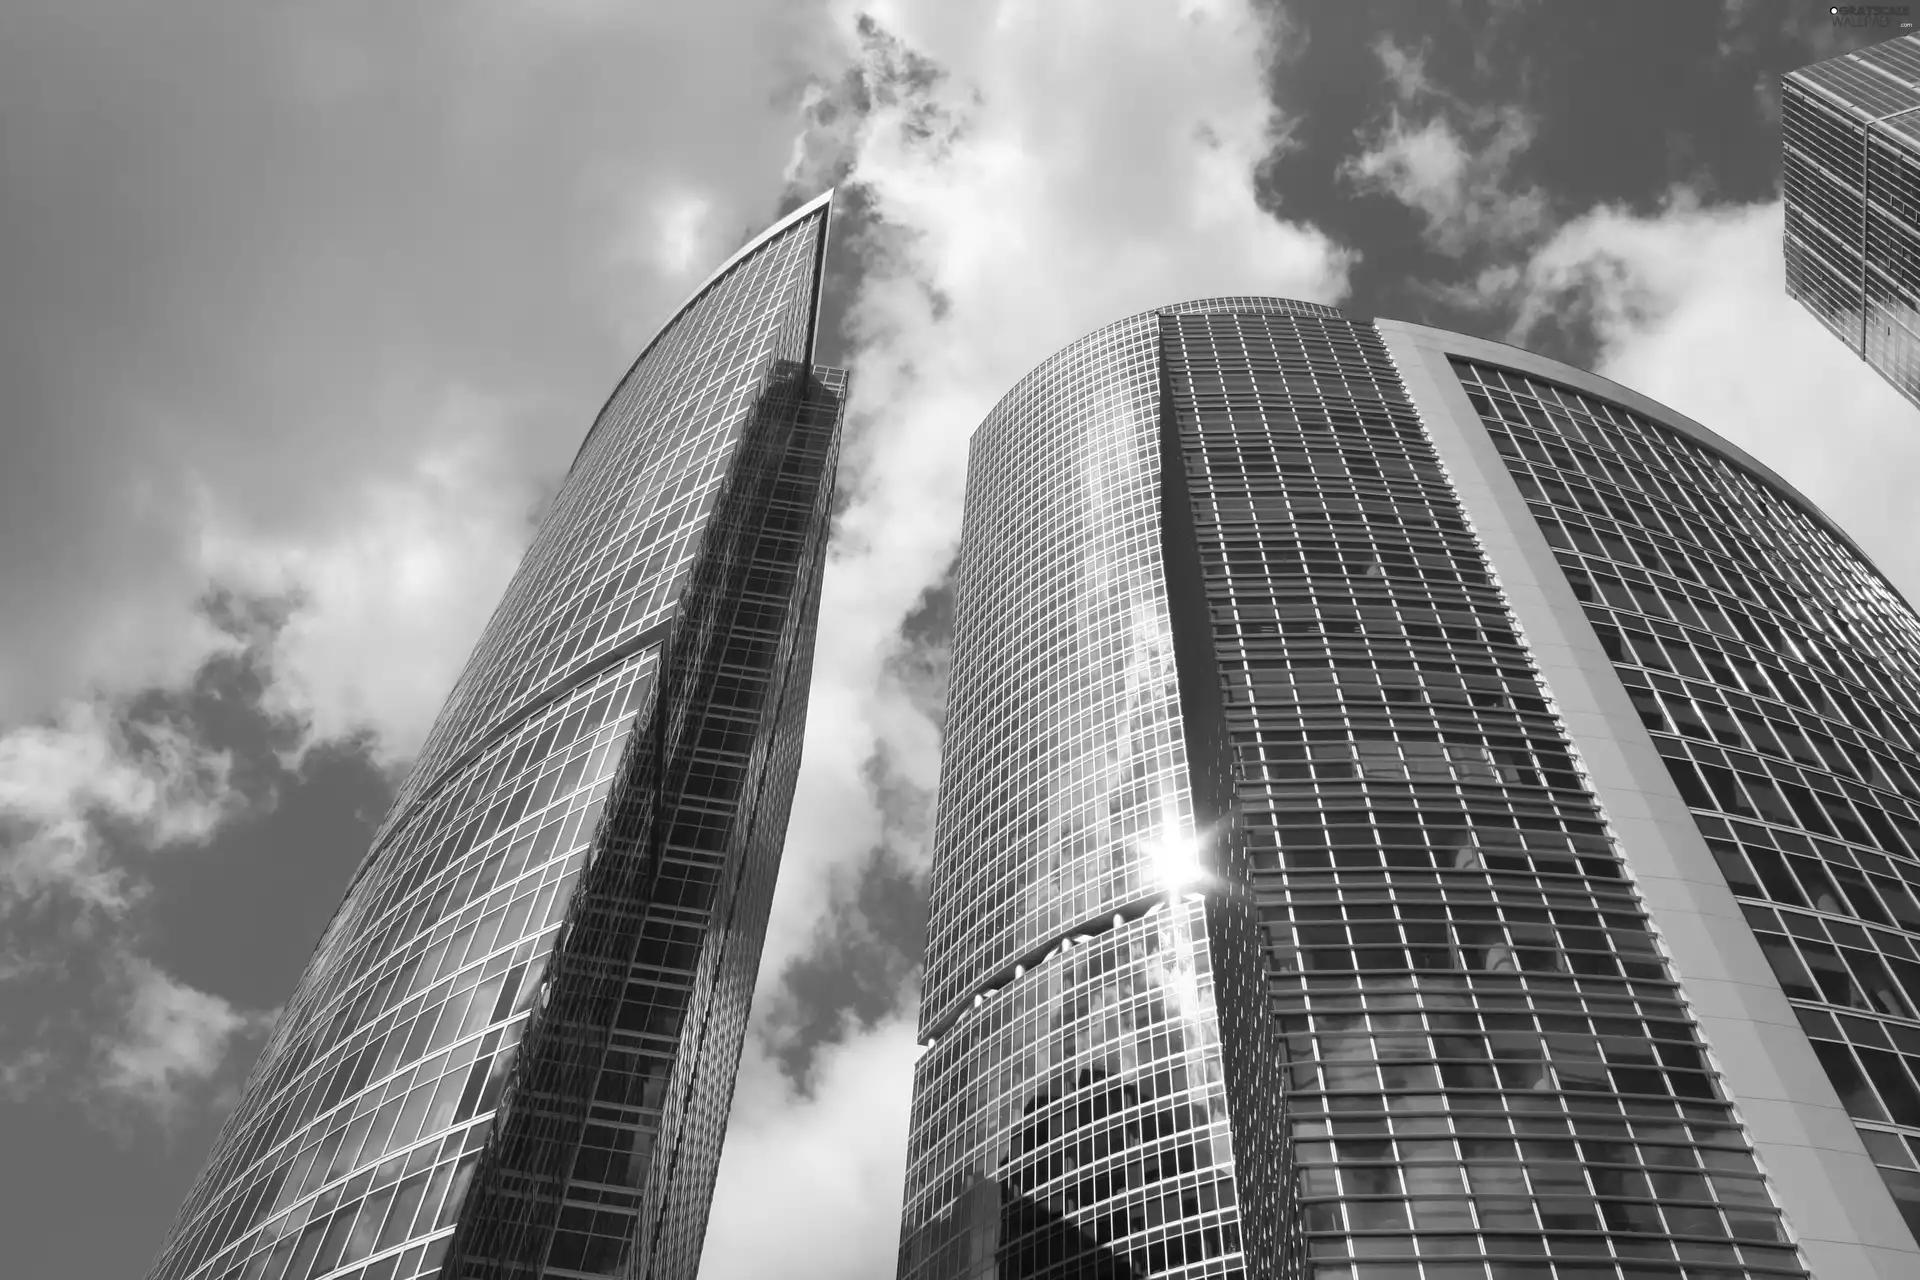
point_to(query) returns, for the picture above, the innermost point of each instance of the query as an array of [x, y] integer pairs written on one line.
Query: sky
[[307, 308]]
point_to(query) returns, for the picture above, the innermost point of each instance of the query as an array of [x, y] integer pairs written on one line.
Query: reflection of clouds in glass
[[1114, 769], [1064, 749]]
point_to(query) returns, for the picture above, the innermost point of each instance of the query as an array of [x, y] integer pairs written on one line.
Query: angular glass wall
[[1491, 1069], [1075, 1111], [517, 1029], [1780, 677], [1850, 173]]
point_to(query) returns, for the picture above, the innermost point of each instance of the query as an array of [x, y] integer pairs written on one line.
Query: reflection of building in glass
[[1074, 1148], [1850, 128], [1261, 607], [513, 1051]]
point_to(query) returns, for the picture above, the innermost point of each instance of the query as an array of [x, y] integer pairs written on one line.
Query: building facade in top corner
[[1410, 808], [1850, 169], [514, 1049]]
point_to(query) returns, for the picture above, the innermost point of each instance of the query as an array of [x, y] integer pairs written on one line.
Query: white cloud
[[680, 222], [172, 1040], [60, 780], [1689, 306], [1406, 70], [810, 1186], [79, 797], [1038, 171], [389, 598], [1459, 182]]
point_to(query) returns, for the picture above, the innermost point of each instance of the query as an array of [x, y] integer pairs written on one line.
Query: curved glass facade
[[1780, 677], [508, 1052], [1071, 1113], [1279, 923]]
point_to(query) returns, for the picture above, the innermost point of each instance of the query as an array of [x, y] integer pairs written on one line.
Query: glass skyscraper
[[1410, 809], [1850, 165], [514, 1049]]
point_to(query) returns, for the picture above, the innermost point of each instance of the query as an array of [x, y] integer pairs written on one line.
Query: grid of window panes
[[614, 1119], [775, 608], [1780, 676], [1492, 1071], [357, 1135], [1821, 176], [380, 1081], [1875, 82], [1063, 769], [1061, 748], [1892, 325], [1850, 165], [612, 554], [1078, 1123]]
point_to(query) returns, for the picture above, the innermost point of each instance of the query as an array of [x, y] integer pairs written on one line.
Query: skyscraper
[[1850, 164], [1522, 773], [514, 1049]]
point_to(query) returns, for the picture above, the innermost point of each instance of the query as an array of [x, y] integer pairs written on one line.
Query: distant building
[[514, 1049], [1850, 164], [1410, 808]]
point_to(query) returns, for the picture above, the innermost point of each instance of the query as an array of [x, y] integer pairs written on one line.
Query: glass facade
[[1489, 1065], [513, 1050], [1850, 166], [1278, 925], [1779, 675], [1071, 1110]]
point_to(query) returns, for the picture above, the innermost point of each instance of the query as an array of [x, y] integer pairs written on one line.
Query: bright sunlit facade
[[1410, 808], [513, 1051]]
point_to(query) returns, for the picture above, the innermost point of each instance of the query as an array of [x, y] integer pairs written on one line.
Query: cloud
[[1456, 175], [1736, 35], [383, 603], [1406, 70], [1688, 304], [61, 781], [171, 1041], [811, 1184], [83, 798]]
